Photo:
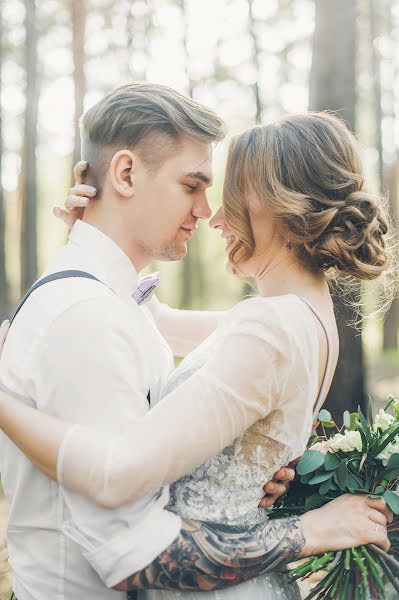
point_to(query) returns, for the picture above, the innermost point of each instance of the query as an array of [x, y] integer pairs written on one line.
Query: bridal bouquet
[[362, 457]]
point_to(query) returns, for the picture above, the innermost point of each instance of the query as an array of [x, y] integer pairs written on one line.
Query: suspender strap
[[52, 277]]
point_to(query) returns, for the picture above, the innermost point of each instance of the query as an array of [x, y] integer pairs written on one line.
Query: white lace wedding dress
[[240, 405], [228, 487]]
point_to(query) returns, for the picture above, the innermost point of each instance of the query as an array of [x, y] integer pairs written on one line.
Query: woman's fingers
[[68, 216], [79, 170], [274, 491], [378, 529], [380, 505], [73, 202], [82, 189], [378, 517], [379, 536], [285, 474]]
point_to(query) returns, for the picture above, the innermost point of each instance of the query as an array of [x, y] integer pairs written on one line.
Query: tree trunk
[[29, 188], [391, 171], [333, 87], [78, 10], [256, 61], [192, 268], [4, 289], [391, 323]]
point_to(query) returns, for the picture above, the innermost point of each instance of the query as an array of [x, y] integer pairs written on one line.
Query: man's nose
[[201, 209]]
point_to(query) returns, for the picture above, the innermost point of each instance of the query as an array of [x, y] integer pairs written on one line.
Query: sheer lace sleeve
[[243, 379], [184, 330]]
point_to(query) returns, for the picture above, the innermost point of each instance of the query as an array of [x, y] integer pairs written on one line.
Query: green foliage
[[310, 462], [349, 461]]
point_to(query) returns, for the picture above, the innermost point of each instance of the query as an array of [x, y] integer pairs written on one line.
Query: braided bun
[[354, 239], [307, 170]]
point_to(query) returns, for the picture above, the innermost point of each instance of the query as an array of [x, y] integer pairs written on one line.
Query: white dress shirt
[[85, 352]]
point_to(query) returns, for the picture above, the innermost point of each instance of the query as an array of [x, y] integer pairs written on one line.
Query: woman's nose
[[217, 219]]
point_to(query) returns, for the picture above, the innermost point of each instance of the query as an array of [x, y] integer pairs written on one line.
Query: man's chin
[[172, 253]]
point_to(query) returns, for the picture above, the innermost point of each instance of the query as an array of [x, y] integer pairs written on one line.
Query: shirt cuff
[[131, 550]]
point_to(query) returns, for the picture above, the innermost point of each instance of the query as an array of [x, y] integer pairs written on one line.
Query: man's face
[[168, 203]]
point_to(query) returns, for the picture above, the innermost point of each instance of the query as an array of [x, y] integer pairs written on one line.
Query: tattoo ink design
[[210, 556]]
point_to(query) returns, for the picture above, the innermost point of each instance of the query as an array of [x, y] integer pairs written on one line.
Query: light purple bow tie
[[146, 288]]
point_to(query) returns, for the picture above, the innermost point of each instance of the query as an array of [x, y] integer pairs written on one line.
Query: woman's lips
[[230, 241]]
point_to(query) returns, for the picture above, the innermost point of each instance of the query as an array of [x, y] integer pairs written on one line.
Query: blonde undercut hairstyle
[[306, 169], [149, 118]]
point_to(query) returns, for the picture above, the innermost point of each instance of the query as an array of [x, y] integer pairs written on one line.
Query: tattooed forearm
[[209, 556]]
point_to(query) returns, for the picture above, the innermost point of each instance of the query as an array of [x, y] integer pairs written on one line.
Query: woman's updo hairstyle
[[306, 170]]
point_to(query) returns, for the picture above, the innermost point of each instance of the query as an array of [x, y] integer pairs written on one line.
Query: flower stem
[[390, 559], [391, 577], [324, 584], [346, 581], [373, 568]]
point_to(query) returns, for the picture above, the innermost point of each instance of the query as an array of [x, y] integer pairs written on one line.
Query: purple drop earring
[[289, 246]]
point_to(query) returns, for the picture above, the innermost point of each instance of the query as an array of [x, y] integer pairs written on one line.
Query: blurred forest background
[[250, 60]]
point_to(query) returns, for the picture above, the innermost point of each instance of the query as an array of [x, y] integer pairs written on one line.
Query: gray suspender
[[54, 277]]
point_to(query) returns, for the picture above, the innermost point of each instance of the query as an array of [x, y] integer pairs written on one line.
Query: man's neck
[[115, 231]]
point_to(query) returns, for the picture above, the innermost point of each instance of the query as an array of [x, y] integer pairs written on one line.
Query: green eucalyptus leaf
[[392, 500], [306, 478], [325, 416], [319, 478], [391, 474], [351, 483], [347, 419], [331, 462], [310, 461], [393, 461], [326, 486]]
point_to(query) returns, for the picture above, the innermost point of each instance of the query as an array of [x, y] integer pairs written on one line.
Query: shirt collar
[[104, 259]]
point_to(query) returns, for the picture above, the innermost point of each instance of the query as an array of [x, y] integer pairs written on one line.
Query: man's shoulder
[[86, 303]]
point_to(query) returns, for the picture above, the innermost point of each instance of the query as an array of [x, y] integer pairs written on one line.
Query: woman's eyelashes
[[191, 188]]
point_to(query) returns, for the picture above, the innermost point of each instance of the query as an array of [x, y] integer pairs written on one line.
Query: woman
[[242, 404]]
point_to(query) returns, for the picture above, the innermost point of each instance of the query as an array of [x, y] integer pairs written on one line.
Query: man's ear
[[122, 172]]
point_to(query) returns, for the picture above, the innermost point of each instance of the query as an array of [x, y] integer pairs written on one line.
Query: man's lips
[[189, 230]]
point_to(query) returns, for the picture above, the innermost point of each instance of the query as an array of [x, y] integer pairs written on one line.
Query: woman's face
[[267, 241]]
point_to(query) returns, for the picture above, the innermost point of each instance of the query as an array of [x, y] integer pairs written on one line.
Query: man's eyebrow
[[200, 175]]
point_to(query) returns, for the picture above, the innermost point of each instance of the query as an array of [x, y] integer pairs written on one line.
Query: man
[[85, 351]]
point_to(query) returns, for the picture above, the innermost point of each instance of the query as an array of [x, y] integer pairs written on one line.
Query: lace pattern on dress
[[228, 487]]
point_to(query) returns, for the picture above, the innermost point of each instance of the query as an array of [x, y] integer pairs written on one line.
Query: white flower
[[322, 447], [383, 420], [392, 448], [351, 440]]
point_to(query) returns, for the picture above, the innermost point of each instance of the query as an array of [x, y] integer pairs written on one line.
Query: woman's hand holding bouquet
[[358, 463]]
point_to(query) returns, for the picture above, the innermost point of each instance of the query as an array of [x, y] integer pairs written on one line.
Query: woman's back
[[228, 487]]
